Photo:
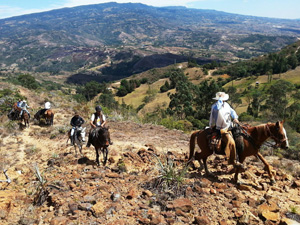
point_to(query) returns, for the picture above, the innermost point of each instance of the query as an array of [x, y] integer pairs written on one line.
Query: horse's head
[[103, 136], [278, 134]]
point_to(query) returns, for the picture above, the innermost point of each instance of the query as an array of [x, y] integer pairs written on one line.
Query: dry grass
[[135, 99]]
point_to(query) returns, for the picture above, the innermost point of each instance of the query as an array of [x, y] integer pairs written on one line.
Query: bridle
[[267, 143], [276, 139]]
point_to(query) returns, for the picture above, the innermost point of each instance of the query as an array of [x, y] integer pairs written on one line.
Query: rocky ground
[[144, 181]]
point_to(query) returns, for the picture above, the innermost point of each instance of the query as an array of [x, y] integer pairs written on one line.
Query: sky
[[286, 9]]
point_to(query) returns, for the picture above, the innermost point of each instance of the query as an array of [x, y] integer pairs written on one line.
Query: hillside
[[117, 40], [128, 189]]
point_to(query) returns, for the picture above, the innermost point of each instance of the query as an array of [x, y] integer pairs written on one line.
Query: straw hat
[[221, 95]]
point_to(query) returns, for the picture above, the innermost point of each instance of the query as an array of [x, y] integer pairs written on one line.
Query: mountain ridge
[[83, 37]]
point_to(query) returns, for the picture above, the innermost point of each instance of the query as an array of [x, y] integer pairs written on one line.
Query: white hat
[[221, 95], [24, 100]]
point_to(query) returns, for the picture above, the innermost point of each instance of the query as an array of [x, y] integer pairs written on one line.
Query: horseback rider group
[[97, 121]]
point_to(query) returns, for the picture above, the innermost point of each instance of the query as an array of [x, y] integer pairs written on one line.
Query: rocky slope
[[132, 188]]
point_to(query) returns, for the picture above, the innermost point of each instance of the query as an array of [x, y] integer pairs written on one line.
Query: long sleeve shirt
[[77, 121], [220, 116]]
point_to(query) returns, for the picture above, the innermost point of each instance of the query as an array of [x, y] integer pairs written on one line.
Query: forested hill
[[273, 63], [111, 34]]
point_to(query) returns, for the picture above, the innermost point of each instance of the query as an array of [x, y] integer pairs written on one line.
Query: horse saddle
[[214, 139]]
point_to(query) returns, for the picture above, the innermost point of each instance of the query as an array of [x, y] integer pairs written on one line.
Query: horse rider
[[24, 107], [76, 123], [42, 111], [19, 103], [98, 119], [14, 111], [220, 119]]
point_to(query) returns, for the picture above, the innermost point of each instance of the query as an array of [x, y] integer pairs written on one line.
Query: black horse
[[99, 138]]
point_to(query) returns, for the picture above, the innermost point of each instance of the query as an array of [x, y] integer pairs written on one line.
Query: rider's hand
[[236, 121]]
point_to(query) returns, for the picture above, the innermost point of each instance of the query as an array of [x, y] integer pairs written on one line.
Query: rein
[[266, 143], [277, 140]]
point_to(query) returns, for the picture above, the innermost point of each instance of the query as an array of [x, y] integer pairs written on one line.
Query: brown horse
[[101, 142], [46, 114], [25, 118], [253, 139], [15, 112], [49, 116]]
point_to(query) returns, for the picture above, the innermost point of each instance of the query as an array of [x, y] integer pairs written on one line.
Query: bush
[[168, 122], [195, 122], [245, 117], [28, 81], [183, 125]]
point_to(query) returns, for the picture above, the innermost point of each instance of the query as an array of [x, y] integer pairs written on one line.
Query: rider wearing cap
[[76, 123], [98, 119], [220, 119]]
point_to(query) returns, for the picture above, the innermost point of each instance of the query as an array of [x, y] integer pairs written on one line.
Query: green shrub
[[183, 125], [28, 81], [245, 117]]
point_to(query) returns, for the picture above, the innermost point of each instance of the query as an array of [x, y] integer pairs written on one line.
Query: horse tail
[[192, 145]]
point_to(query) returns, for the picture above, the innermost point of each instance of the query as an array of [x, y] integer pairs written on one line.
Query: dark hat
[[98, 108]]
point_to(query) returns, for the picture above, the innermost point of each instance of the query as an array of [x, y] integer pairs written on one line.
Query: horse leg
[[80, 148], [105, 153], [267, 166], [97, 156], [200, 156], [238, 169]]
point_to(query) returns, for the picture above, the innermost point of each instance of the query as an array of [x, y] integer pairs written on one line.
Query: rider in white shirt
[[98, 119], [220, 119]]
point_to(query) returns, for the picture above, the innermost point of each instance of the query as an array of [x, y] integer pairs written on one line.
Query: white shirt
[[221, 114], [98, 121], [47, 105]]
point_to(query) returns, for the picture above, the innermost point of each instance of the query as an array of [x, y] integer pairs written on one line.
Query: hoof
[[208, 174], [273, 181], [238, 183]]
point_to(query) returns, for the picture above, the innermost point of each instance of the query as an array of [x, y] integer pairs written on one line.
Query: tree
[[277, 100], [165, 87], [28, 81], [204, 94], [91, 89], [234, 99], [181, 103], [292, 61], [107, 99], [255, 99]]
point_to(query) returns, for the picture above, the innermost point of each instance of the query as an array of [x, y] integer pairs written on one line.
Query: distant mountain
[[111, 36]]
